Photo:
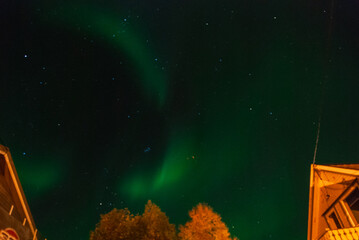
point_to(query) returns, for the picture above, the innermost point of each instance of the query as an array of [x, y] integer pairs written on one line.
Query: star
[[147, 149]]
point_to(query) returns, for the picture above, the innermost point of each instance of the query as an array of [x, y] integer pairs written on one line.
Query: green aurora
[[111, 29], [226, 95]]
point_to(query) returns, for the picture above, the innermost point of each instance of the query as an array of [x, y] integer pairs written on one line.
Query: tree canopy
[[153, 224], [157, 224], [122, 225], [205, 224]]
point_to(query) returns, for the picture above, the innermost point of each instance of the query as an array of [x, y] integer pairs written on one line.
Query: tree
[[205, 224], [122, 225], [117, 224], [157, 224]]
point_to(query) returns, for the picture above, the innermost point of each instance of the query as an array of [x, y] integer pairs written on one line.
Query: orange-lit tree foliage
[[205, 224], [122, 225], [157, 224], [117, 224]]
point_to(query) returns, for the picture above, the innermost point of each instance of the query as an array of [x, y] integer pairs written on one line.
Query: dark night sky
[[109, 104]]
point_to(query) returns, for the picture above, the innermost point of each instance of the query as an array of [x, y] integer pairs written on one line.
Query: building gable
[[333, 200], [15, 215]]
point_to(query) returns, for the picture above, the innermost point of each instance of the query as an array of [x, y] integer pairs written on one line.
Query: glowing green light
[[41, 174], [118, 32], [178, 161]]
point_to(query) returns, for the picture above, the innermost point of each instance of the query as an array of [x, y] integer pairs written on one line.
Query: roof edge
[[20, 192], [337, 169]]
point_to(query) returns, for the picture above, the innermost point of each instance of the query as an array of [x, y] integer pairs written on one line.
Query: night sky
[[110, 103]]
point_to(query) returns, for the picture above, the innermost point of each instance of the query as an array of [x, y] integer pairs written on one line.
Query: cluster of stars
[[147, 149]]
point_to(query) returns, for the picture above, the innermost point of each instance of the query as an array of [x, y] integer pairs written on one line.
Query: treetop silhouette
[[153, 224], [205, 224]]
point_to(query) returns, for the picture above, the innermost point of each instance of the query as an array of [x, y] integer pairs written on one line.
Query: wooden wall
[[8, 198], [7, 221]]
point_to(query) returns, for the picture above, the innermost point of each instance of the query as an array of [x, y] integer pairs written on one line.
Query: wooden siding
[[7, 221]]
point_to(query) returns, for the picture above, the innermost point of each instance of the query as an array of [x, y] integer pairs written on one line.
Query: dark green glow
[[108, 26], [177, 162], [41, 174]]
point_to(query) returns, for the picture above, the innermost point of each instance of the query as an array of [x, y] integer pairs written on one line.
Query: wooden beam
[[12, 208], [346, 171], [35, 235]]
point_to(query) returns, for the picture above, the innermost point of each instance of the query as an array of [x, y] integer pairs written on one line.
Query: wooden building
[[334, 202], [16, 221]]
